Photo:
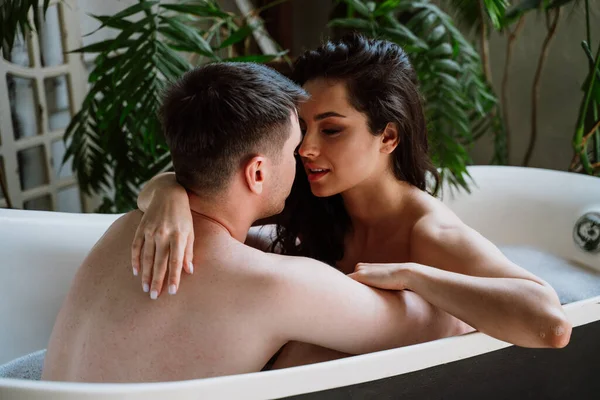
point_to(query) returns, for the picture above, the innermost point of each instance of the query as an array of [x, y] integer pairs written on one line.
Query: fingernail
[[191, 267], [146, 287], [135, 272], [172, 289], [154, 295]]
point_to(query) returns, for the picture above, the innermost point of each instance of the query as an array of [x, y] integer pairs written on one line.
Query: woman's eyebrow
[[327, 114]]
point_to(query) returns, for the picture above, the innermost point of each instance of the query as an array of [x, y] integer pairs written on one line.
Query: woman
[[360, 195]]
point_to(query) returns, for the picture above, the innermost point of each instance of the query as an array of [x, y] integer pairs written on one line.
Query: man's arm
[[317, 304]]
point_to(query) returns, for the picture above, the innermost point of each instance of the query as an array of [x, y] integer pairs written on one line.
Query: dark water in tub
[[571, 281]]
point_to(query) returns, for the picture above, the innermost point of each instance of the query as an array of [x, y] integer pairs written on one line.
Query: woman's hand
[[164, 240], [384, 276]]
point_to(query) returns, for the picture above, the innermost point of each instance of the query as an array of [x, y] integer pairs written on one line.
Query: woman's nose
[[309, 146]]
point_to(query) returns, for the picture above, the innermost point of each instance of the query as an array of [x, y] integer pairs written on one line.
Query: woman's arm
[[164, 240], [458, 270], [164, 183]]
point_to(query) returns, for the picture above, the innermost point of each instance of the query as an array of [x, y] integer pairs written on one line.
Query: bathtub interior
[[40, 253], [526, 212], [531, 215], [531, 209]]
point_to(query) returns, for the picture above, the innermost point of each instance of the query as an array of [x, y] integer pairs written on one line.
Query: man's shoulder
[[131, 217], [121, 231], [291, 270], [127, 221], [278, 274]]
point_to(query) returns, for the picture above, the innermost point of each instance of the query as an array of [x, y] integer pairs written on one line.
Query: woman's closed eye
[[331, 131]]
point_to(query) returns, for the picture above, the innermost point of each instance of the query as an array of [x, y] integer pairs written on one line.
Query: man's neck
[[226, 214]]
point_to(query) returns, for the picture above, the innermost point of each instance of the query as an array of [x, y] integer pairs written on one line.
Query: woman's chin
[[321, 191]]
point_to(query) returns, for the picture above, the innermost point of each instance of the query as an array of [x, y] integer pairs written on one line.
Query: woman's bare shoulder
[[429, 210]]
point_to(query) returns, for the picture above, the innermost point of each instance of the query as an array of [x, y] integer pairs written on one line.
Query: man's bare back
[[109, 331], [240, 306]]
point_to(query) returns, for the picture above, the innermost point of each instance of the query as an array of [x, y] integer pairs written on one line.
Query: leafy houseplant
[[510, 19], [14, 19], [115, 138], [586, 140]]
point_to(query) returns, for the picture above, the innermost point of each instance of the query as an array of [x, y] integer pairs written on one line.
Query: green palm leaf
[[472, 14], [586, 141], [14, 19], [496, 10], [115, 139]]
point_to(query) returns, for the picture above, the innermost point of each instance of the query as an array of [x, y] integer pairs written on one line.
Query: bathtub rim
[[309, 378]]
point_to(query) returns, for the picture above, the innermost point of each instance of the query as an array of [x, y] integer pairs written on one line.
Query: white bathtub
[[539, 209]]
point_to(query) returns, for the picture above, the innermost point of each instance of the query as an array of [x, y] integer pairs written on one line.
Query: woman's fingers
[[383, 276], [147, 262], [163, 256], [189, 254], [136, 249], [176, 263], [159, 270]]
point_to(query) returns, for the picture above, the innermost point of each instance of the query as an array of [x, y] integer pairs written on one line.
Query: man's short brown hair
[[219, 115]]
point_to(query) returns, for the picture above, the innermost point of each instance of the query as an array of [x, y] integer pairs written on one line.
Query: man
[[232, 130]]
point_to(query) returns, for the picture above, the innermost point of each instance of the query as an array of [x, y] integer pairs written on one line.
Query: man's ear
[[255, 173], [390, 138]]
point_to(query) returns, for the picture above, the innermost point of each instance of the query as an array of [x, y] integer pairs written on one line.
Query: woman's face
[[338, 151]]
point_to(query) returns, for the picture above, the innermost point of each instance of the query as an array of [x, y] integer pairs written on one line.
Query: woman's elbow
[[557, 332], [560, 334], [557, 328]]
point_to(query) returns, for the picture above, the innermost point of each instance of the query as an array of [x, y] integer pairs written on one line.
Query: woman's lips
[[314, 174]]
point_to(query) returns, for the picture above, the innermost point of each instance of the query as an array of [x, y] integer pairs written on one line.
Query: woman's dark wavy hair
[[382, 84]]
